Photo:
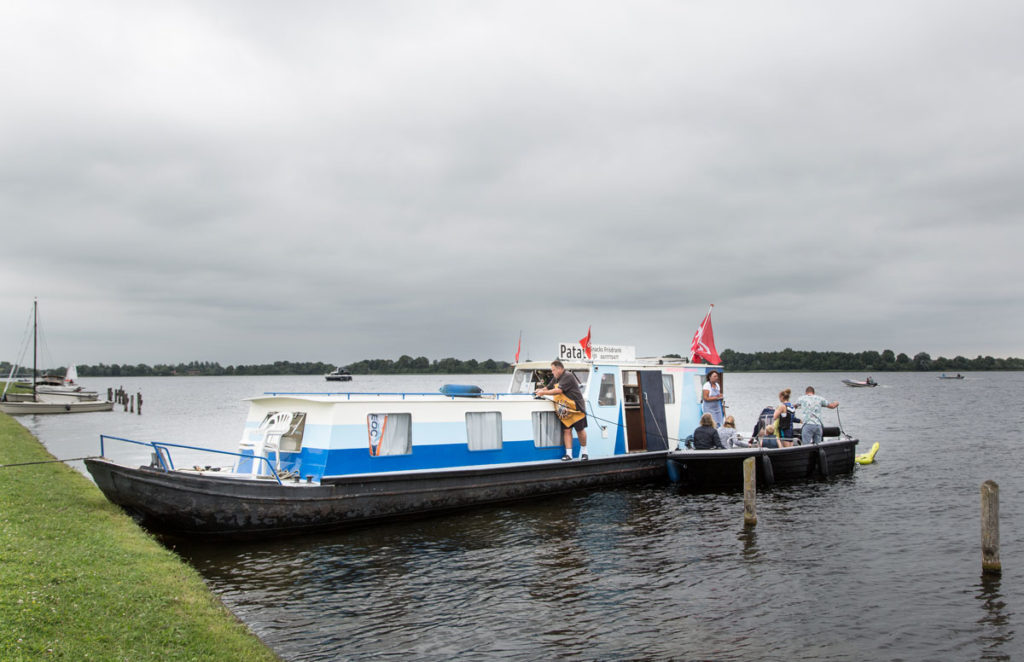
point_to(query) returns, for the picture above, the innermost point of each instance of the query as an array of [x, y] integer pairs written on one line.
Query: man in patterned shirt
[[810, 411]]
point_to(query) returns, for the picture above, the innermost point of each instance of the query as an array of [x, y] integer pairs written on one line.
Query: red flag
[[703, 345], [519, 346], [585, 342]]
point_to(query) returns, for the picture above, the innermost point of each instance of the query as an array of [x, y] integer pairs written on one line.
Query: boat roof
[[642, 361]]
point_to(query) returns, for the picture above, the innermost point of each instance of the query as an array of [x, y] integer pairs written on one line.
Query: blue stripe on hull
[[436, 456], [339, 462]]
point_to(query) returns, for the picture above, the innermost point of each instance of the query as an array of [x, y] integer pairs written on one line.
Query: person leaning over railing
[[810, 406]]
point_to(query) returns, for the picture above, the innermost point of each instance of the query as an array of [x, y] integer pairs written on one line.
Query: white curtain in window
[[547, 431], [483, 430], [390, 434], [668, 387]]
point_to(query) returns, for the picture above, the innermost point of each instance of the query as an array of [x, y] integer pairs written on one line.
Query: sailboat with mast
[[41, 402]]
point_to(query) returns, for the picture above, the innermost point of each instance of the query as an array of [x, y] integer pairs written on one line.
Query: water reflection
[[997, 633], [850, 568]]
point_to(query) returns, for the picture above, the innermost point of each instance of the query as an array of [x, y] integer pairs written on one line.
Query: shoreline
[[80, 580]]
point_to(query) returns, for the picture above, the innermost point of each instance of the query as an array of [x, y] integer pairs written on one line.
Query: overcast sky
[[246, 182]]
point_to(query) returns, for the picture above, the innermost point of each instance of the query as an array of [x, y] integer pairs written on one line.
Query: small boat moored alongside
[[723, 468]]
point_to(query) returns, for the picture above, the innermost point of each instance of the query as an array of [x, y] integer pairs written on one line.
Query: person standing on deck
[[810, 411], [565, 383], [711, 398]]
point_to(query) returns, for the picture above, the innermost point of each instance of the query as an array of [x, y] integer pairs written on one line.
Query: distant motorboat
[[956, 376], [338, 375], [857, 384]]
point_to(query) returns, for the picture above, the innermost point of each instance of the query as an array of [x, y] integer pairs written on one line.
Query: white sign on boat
[[573, 351]]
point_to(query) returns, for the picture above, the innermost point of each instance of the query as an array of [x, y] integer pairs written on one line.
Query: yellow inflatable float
[[869, 457]]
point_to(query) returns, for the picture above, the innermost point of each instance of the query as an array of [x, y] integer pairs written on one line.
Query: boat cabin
[[633, 405]]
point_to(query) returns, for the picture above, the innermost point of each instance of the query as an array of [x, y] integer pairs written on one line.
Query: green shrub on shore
[[80, 581]]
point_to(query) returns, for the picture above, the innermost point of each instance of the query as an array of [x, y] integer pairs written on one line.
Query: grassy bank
[[80, 581]]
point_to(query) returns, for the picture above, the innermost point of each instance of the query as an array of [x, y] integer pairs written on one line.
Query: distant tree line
[[421, 365], [787, 360], [404, 365], [792, 360]]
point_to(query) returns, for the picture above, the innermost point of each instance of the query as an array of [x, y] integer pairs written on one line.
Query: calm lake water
[[880, 565]]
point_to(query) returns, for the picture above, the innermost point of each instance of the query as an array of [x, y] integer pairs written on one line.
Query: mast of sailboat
[[35, 340]]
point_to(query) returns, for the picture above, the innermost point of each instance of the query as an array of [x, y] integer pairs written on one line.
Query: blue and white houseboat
[[318, 461]]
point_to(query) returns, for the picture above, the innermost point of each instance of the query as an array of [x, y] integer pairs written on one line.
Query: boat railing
[[403, 395], [163, 453]]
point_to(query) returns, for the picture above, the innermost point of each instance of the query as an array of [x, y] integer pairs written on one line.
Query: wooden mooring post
[[990, 564], [749, 492], [138, 398]]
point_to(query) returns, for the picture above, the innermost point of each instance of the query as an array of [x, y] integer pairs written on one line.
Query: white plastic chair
[[270, 430]]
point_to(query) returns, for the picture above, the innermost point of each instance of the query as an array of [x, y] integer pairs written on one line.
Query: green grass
[[79, 580]]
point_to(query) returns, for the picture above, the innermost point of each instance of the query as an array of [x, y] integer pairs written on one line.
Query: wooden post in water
[[139, 399], [749, 492], [132, 410], [990, 564]]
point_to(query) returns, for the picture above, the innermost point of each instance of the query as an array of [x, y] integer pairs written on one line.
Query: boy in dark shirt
[[565, 383]]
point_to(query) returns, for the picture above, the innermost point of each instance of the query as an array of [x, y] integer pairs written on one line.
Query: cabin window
[[521, 383], [607, 397], [528, 381], [668, 387], [483, 430], [547, 430], [389, 434]]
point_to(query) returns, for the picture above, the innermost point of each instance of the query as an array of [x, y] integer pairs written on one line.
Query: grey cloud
[[247, 182]]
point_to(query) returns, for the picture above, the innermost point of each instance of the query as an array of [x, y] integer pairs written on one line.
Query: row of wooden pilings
[[990, 563], [121, 397]]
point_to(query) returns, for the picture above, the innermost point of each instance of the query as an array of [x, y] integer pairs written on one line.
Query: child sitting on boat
[[730, 436]]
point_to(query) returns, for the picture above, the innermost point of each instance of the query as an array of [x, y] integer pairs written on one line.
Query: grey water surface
[[883, 564]]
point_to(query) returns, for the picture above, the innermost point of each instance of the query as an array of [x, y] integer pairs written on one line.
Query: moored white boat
[[58, 397], [42, 406], [315, 461]]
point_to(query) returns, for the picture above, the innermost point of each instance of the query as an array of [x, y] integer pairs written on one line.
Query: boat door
[[644, 409], [652, 399]]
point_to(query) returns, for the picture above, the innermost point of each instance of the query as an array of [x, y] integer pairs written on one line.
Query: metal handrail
[[403, 394], [158, 445]]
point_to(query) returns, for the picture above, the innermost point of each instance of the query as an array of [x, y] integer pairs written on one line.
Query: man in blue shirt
[[810, 411]]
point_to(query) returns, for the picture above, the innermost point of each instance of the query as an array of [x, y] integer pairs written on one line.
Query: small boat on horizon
[[338, 375], [860, 384], [956, 376]]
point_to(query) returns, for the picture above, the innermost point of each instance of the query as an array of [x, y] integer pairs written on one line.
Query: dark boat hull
[[207, 506], [714, 469]]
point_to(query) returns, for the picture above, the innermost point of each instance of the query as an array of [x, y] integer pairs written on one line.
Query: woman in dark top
[[706, 436], [782, 420]]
